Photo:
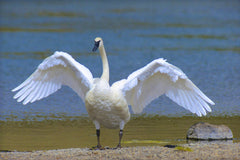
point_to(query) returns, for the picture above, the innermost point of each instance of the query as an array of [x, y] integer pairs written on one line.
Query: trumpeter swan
[[108, 105]]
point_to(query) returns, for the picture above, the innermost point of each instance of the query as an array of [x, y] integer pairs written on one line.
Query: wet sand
[[80, 132], [186, 151]]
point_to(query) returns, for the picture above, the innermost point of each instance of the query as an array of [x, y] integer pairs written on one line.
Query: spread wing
[[158, 78], [55, 71]]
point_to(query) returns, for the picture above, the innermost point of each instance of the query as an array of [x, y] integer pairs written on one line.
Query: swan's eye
[[96, 45]]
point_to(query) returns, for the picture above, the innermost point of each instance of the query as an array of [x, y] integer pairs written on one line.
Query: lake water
[[200, 37]]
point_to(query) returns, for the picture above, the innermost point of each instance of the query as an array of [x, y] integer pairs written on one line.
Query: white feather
[[29, 96], [158, 78], [56, 70]]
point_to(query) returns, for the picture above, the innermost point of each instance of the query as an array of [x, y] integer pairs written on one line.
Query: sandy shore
[[186, 151]]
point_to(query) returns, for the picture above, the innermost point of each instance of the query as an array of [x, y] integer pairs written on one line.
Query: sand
[[195, 151]]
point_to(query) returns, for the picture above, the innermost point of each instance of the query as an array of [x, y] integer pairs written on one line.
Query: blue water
[[200, 37]]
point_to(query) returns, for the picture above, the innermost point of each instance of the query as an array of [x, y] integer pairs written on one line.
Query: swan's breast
[[107, 106]]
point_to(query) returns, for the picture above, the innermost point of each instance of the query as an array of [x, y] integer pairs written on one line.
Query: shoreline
[[184, 151], [80, 132]]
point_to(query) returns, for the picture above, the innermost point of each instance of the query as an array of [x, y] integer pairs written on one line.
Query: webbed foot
[[118, 146], [98, 147]]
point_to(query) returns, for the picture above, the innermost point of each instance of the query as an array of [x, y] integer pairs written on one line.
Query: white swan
[[108, 105]]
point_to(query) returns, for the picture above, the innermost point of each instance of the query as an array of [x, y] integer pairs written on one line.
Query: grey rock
[[206, 131]]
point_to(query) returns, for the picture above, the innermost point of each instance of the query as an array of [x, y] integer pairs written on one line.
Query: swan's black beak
[[96, 45]]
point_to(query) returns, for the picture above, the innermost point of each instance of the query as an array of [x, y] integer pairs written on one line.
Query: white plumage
[[158, 78], [108, 105], [55, 71]]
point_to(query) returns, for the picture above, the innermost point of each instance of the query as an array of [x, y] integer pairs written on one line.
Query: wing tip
[[14, 90], [24, 103], [211, 102], [18, 87], [15, 96]]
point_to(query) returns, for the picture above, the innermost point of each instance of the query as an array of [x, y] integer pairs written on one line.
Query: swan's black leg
[[120, 138], [98, 141]]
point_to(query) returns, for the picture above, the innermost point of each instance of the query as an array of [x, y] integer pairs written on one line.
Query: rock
[[206, 131]]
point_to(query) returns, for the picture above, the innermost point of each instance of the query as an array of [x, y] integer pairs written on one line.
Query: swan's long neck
[[105, 74]]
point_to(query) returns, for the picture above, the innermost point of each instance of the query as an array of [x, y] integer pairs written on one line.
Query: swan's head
[[98, 42]]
